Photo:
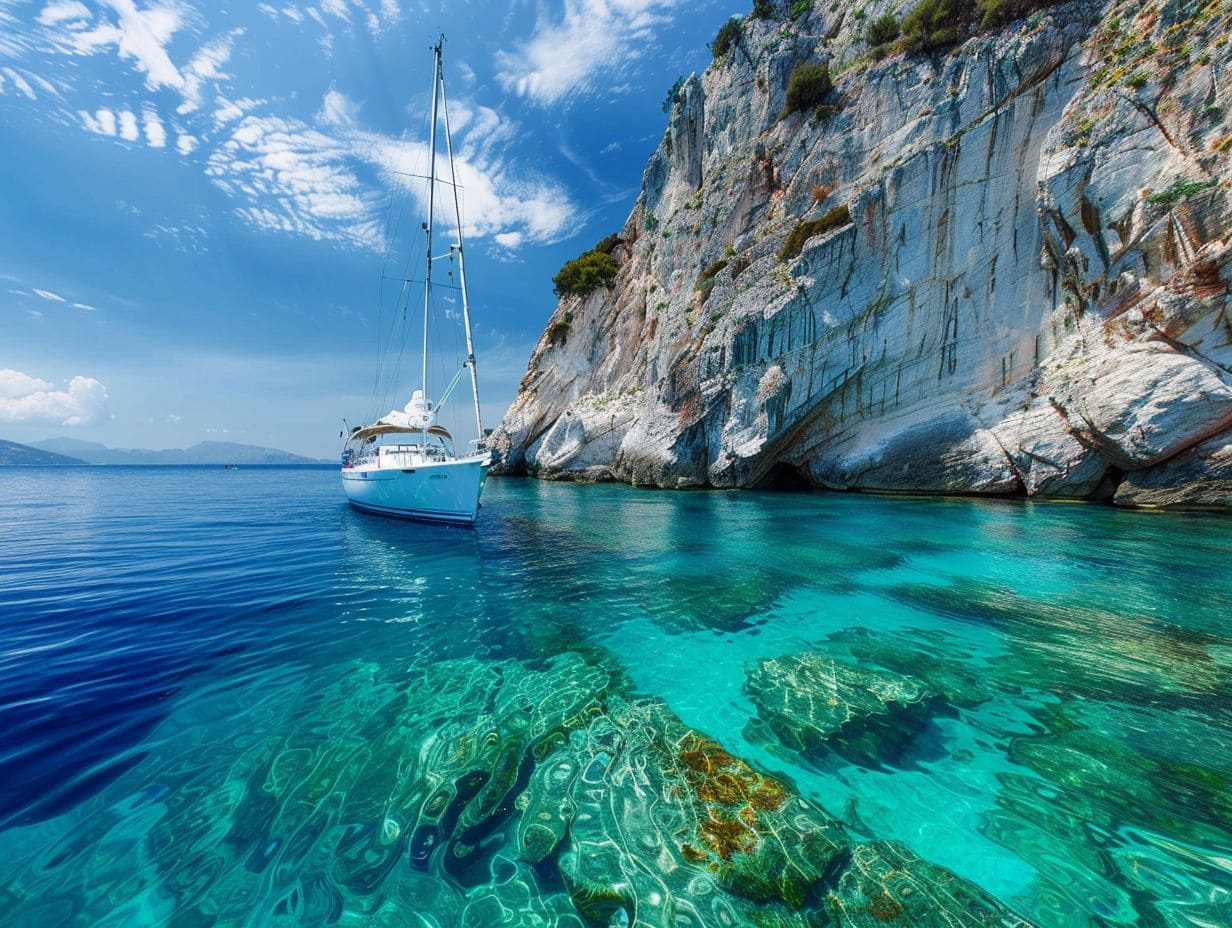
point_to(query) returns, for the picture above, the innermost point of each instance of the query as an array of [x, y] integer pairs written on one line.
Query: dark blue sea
[[228, 699]]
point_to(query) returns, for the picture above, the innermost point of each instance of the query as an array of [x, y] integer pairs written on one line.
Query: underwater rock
[[1079, 786], [934, 657], [811, 702], [886, 884], [471, 794], [1083, 650]]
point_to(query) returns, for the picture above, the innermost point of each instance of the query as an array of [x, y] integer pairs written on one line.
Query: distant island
[[13, 454], [69, 451]]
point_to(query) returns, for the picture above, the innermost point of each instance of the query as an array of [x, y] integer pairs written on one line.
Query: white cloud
[[336, 109], [206, 65], [140, 35], [510, 240], [185, 143], [336, 8], [496, 197], [60, 12], [49, 295], [128, 126], [15, 384], [296, 179], [318, 181], [30, 399], [155, 132], [19, 82], [565, 57], [85, 307], [106, 121], [226, 111]]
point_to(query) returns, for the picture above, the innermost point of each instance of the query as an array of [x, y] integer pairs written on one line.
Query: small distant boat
[[230, 467], [404, 464]]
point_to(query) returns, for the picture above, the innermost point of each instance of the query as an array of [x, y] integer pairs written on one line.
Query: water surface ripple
[[213, 685]]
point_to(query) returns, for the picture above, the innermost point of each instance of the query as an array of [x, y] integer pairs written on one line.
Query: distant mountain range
[[12, 453], [76, 451]]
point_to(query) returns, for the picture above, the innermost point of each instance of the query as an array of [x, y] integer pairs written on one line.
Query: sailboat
[[404, 464]]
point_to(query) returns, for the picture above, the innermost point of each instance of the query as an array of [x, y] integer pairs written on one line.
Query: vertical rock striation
[[1014, 274]]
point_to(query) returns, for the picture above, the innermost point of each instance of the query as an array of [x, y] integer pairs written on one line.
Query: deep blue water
[[213, 703]]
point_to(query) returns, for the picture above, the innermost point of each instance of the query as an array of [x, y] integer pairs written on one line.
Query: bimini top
[[387, 428]]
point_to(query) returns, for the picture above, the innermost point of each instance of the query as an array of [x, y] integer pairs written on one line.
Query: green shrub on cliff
[[558, 331], [729, 34], [808, 85], [937, 23], [673, 96], [883, 30], [1181, 190], [705, 280], [588, 272], [762, 9], [608, 243], [934, 24], [834, 219]]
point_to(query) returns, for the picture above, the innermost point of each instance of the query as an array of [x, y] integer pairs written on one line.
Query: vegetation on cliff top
[[729, 34], [588, 271]]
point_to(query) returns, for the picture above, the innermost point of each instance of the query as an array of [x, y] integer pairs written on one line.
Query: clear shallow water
[[222, 693]]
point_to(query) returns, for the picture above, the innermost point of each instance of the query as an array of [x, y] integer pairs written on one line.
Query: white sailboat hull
[[438, 491]]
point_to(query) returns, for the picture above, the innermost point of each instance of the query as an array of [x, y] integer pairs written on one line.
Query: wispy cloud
[[49, 295], [190, 239], [312, 180], [28, 399], [375, 16], [206, 65], [20, 84], [141, 36], [326, 176], [295, 179], [566, 56], [60, 12]]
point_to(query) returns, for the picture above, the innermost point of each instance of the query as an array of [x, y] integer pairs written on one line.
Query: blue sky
[[194, 199]]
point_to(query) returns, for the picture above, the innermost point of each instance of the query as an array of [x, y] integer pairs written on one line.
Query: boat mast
[[466, 309], [436, 79]]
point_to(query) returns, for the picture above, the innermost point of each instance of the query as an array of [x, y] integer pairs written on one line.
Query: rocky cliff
[[1013, 269]]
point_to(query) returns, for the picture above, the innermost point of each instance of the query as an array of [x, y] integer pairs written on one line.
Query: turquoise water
[[228, 699]]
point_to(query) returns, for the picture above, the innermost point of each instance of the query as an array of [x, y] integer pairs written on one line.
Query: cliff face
[[1020, 283]]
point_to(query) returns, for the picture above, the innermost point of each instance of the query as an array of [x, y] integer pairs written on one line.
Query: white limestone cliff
[[1023, 289]]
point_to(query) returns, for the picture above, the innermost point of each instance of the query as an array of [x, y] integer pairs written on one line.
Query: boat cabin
[[395, 446]]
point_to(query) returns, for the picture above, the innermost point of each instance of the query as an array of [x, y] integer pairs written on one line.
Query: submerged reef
[[811, 701], [1082, 650], [508, 792]]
